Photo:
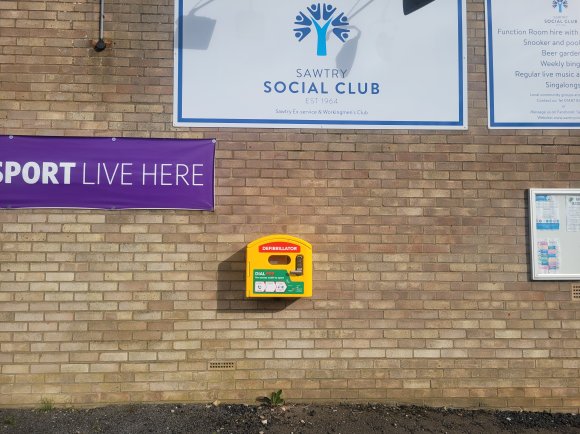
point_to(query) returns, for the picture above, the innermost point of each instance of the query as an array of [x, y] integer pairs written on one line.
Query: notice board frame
[[554, 226]]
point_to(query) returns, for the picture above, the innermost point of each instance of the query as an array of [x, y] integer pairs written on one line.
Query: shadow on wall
[[410, 6], [347, 54], [528, 235], [197, 30], [231, 289]]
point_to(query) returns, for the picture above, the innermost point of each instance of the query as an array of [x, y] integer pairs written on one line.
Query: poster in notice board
[[555, 234]]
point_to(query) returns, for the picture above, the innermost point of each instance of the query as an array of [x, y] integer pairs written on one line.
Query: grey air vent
[[575, 292], [221, 366]]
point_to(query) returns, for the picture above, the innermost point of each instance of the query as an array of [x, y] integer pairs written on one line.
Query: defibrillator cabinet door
[[279, 266]]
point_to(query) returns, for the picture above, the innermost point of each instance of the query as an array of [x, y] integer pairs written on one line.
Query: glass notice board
[[555, 234]]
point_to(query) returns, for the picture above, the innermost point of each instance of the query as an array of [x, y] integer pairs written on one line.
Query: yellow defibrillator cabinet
[[279, 266]]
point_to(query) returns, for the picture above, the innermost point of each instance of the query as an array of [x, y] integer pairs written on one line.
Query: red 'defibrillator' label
[[279, 247]]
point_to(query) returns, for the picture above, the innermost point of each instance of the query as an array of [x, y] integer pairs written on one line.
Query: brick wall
[[422, 292]]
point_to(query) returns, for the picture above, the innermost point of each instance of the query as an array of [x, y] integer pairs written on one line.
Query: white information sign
[[555, 234], [533, 54], [335, 64]]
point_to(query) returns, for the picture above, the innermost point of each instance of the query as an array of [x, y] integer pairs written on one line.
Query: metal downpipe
[[101, 45]]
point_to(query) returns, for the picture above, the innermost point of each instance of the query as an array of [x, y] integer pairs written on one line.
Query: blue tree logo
[[322, 17], [560, 4]]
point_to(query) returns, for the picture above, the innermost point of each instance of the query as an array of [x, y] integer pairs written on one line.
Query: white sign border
[[179, 121]]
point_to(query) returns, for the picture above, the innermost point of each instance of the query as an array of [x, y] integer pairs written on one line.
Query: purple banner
[[108, 173]]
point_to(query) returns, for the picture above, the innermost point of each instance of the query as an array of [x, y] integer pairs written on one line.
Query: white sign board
[[555, 234], [533, 54], [336, 64]]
